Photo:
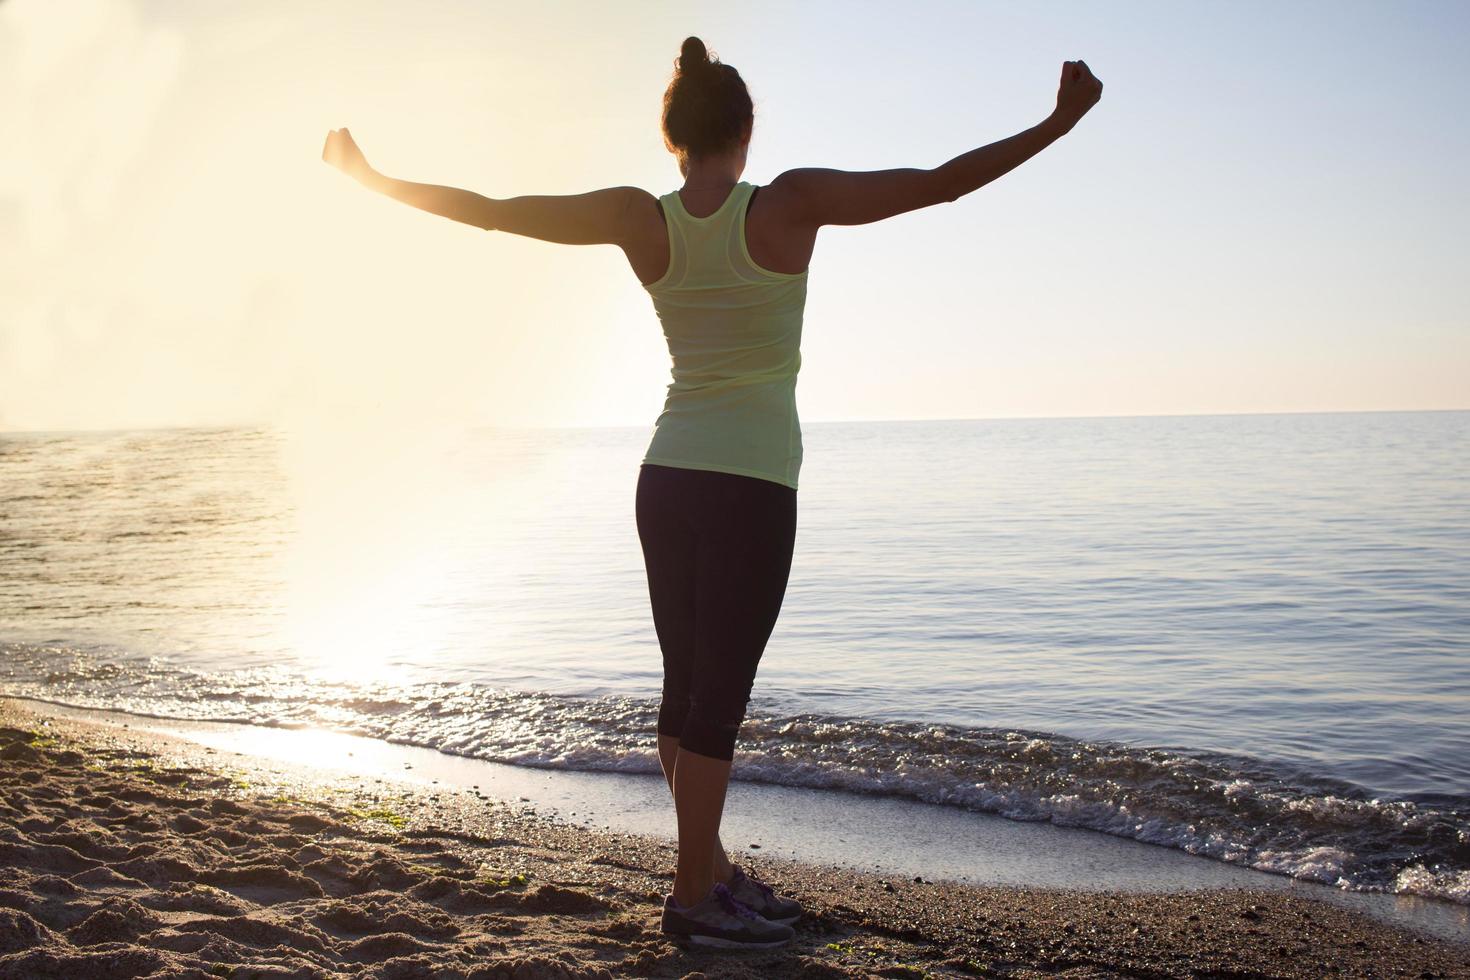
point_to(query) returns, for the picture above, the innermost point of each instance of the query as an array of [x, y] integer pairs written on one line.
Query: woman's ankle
[[689, 893], [679, 900]]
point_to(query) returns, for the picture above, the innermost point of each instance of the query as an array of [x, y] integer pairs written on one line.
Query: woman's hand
[[341, 151], [1080, 91]]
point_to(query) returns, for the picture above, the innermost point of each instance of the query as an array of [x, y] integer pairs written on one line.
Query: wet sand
[[126, 853]]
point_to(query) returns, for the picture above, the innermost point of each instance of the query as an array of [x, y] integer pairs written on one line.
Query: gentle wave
[[1273, 817]]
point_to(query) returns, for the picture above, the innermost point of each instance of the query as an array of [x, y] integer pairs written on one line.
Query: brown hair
[[706, 106]]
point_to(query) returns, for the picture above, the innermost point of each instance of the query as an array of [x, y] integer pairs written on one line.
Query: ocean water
[[1246, 637]]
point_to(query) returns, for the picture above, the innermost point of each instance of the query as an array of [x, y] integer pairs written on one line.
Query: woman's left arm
[[594, 218]]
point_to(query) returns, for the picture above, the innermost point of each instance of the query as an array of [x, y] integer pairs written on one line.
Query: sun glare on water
[[379, 571]]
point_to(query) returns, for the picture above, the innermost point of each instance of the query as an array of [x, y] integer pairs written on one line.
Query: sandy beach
[[127, 853]]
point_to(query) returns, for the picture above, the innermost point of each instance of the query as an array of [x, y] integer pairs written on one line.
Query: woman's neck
[[711, 176]]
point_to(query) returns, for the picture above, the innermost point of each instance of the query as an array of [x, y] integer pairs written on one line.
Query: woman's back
[[733, 329], [775, 236]]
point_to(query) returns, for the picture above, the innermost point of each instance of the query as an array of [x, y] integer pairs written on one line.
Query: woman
[[716, 495]]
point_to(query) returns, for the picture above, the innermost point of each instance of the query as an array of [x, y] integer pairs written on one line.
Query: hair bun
[[693, 55]]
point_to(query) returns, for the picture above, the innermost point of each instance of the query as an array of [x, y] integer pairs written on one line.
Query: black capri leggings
[[717, 548]]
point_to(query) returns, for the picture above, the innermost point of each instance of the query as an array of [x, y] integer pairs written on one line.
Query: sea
[[1245, 637]]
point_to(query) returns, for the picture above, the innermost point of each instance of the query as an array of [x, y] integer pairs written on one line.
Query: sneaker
[[759, 896], [720, 920]]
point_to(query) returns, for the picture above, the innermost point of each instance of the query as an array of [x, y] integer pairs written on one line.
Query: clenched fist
[[1080, 91], [341, 151]]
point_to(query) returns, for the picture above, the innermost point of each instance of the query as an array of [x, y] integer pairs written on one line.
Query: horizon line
[[812, 422]]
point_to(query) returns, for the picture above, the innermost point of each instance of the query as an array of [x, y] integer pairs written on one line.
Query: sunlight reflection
[[329, 750], [382, 563]]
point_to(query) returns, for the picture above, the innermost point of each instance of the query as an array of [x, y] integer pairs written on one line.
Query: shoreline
[[818, 825], [131, 853]]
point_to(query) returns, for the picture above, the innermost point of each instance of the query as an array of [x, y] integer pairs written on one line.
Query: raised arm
[[595, 218], [818, 196]]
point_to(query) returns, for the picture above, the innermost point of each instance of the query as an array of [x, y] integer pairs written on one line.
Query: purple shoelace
[[733, 905], [764, 888]]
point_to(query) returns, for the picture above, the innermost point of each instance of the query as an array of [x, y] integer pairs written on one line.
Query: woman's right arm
[[816, 196]]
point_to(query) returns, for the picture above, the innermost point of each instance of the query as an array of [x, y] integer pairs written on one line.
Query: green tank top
[[734, 333]]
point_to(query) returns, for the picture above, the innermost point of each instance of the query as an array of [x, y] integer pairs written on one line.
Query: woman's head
[[707, 110]]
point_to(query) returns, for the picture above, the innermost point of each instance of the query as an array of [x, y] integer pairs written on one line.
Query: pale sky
[[1266, 212]]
